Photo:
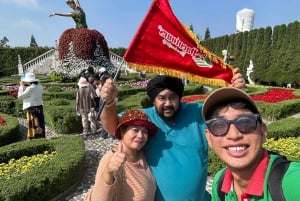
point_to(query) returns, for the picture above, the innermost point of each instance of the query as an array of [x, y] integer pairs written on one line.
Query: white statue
[[249, 71], [225, 55]]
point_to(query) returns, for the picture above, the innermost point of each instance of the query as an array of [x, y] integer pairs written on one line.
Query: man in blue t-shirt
[[177, 155]]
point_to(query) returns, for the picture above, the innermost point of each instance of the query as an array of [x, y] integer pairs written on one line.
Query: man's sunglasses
[[245, 123]]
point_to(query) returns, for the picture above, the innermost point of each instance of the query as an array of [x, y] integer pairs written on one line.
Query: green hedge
[[49, 179], [10, 132], [60, 115], [276, 111], [69, 95], [284, 128]]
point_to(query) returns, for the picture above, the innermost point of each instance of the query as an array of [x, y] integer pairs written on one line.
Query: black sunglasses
[[245, 123]]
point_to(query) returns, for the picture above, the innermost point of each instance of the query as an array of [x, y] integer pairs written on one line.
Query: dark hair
[[234, 103], [104, 76]]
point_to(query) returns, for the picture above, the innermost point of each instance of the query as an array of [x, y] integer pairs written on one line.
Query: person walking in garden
[[31, 92], [178, 154], [103, 76], [77, 14], [123, 172], [236, 133], [84, 99]]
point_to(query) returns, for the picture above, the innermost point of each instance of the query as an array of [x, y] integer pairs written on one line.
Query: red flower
[[193, 98], [2, 121], [84, 43], [276, 95], [13, 94]]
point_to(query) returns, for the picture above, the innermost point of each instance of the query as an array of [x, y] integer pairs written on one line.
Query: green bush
[[283, 128], [54, 89], [49, 179], [214, 163], [55, 77], [10, 132], [7, 105], [59, 102], [69, 95], [63, 119], [276, 111]]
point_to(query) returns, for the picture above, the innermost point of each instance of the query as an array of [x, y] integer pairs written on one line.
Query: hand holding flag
[[164, 45]]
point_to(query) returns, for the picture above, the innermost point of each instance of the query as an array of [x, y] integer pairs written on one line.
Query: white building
[[244, 20]]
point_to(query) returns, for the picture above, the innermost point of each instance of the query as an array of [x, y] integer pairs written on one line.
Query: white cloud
[[28, 24], [23, 3]]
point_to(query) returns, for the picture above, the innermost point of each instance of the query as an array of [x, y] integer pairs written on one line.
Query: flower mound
[[84, 42], [276, 95], [24, 164]]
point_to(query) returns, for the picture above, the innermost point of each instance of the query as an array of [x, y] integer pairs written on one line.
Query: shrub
[[284, 128], [59, 102], [55, 77], [54, 89], [49, 179], [63, 119], [10, 132]]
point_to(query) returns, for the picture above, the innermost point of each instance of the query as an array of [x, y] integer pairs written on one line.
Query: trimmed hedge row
[[276, 111], [284, 128], [9, 133], [46, 181]]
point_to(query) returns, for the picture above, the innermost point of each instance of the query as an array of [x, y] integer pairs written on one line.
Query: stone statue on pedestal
[[249, 71]]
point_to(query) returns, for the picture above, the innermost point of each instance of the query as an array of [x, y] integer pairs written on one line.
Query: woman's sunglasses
[[245, 123]]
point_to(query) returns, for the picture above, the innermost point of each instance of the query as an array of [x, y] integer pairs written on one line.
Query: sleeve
[[102, 191], [291, 182], [24, 92]]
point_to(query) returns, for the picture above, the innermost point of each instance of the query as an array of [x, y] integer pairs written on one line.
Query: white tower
[[244, 20]]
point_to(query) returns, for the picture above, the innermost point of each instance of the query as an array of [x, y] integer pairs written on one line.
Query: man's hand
[[238, 80], [108, 91]]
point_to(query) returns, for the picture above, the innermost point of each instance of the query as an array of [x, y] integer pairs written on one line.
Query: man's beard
[[168, 118]]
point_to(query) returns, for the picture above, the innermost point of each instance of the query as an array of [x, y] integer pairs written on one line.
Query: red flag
[[164, 45]]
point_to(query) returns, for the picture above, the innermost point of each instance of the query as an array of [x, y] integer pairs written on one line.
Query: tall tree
[[33, 42], [207, 34], [192, 28], [3, 42]]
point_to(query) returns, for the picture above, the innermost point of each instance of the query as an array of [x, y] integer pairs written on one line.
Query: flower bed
[[274, 95], [2, 121]]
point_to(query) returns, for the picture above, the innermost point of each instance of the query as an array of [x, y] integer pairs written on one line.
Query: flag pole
[[103, 102]]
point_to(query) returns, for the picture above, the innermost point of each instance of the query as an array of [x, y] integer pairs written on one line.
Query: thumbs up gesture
[[113, 165], [117, 159]]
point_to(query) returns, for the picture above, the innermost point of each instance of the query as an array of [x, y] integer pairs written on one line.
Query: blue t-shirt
[[178, 155]]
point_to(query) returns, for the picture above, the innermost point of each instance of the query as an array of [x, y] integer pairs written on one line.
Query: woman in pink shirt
[[123, 172]]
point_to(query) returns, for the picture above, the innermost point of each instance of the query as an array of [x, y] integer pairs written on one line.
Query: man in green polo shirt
[[236, 133]]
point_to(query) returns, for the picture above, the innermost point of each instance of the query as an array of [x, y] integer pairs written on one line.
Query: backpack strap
[[221, 194], [277, 171]]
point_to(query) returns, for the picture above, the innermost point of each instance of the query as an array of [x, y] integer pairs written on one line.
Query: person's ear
[[208, 137], [264, 131]]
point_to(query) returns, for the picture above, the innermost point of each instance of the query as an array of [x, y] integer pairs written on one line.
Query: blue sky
[[118, 20]]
